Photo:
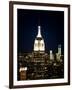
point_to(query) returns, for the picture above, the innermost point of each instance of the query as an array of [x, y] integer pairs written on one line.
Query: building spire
[[39, 32]]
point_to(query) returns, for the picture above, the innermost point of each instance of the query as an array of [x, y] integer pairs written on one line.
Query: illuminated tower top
[[39, 44], [39, 32]]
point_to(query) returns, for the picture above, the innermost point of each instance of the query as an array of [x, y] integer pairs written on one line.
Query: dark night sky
[[52, 29]]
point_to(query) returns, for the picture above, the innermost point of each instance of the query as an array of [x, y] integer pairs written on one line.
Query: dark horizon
[[52, 29]]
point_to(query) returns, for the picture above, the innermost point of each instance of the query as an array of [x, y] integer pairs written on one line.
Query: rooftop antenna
[[39, 27]]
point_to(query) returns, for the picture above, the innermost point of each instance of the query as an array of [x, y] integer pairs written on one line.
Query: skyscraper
[[39, 44], [58, 55], [59, 49]]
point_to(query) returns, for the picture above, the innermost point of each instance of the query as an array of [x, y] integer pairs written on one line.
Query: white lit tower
[[51, 55], [58, 55], [39, 44], [59, 49]]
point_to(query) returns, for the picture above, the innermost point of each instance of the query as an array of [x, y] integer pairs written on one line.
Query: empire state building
[[39, 44]]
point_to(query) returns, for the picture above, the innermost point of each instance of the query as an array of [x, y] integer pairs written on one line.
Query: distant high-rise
[[51, 55], [39, 44], [59, 49], [58, 55]]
